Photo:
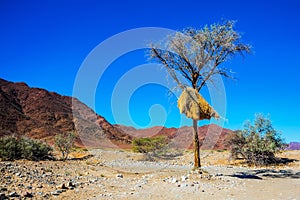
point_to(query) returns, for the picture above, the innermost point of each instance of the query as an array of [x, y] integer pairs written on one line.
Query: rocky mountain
[[210, 136], [294, 146], [40, 114]]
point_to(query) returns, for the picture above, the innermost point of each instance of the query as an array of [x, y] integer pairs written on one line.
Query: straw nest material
[[194, 106]]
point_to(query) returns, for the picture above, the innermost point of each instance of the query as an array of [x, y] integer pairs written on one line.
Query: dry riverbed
[[118, 174]]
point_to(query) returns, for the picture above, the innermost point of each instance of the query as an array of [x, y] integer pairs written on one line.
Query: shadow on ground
[[277, 173], [270, 173]]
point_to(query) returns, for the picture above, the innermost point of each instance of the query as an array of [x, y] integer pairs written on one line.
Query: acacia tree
[[193, 56], [64, 143]]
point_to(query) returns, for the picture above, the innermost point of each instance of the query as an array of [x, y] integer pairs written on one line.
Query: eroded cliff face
[[40, 114]]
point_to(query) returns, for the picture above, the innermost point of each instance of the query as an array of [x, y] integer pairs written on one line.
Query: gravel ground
[[117, 174]]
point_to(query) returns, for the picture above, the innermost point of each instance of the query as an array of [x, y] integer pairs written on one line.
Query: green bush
[[10, 148], [35, 150], [148, 145], [257, 143], [156, 147], [13, 148]]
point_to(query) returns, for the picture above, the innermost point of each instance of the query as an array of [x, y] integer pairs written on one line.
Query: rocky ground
[[118, 174]]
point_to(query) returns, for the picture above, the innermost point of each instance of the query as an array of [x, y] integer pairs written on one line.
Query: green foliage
[[64, 143], [35, 150], [156, 147], [13, 148], [9, 148], [147, 145], [257, 143]]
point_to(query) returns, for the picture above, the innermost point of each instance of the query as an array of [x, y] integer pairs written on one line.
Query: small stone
[[184, 185], [184, 178], [46, 195], [119, 176], [174, 180], [3, 196], [51, 183], [13, 194], [4, 189], [70, 184], [58, 192], [27, 195], [29, 187], [62, 186], [55, 193]]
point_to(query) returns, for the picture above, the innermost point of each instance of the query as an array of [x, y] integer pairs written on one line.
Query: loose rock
[[119, 176]]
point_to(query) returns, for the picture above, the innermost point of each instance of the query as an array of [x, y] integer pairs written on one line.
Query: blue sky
[[44, 43]]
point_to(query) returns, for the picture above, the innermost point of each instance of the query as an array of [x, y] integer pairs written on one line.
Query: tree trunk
[[197, 164]]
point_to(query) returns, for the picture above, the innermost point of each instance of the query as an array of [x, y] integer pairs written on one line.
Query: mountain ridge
[[40, 114]]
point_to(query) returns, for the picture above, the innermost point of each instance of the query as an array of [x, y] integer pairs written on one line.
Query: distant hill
[[210, 136], [40, 114], [294, 146]]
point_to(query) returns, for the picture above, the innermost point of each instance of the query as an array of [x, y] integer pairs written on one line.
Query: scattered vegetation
[[257, 143], [13, 148], [146, 145], [65, 143], [154, 147]]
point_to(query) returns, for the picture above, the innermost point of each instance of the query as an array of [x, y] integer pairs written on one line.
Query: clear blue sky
[[44, 43]]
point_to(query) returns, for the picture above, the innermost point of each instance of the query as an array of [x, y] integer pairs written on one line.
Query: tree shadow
[[270, 173], [155, 156], [244, 175], [277, 173], [285, 161], [267, 173]]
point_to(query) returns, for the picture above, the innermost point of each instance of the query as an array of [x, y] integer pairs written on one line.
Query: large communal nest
[[194, 106]]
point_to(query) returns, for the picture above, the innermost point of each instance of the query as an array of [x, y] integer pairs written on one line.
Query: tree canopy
[[195, 54]]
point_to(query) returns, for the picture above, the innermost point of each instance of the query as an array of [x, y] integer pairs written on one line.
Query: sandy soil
[[118, 174]]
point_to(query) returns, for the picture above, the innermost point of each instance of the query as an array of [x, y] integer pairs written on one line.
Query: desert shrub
[[156, 147], [10, 148], [35, 150], [147, 145], [257, 143], [65, 143], [13, 148]]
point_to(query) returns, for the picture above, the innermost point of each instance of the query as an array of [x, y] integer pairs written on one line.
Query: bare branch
[[196, 54]]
